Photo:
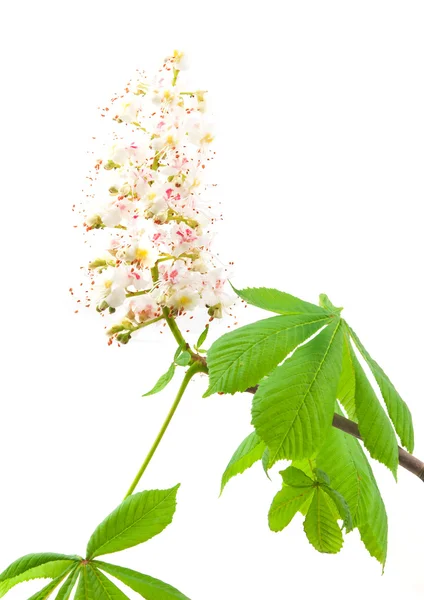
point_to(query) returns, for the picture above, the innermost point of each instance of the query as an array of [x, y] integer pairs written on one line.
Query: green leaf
[[341, 505], [287, 502], [202, 337], [396, 407], [84, 589], [343, 459], [278, 302], [162, 382], [240, 358], [250, 450], [321, 526], [322, 477], [65, 591], [103, 588], [293, 408], [46, 565], [148, 587], [50, 587], [347, 382], [183, 359], [374, 532], [296, 478], [139, 518], [325, 302], [374, 425], [265, 462]]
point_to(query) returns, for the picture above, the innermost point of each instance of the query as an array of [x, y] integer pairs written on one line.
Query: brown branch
[[407, 461]]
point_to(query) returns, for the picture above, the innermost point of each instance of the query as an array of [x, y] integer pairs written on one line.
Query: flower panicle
[[155, 217]]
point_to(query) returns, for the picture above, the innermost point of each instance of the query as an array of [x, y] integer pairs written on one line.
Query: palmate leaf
[[374, 425], [321, 526], [278, 302], [240, 359], [148, 587], [396, 407], [293, 408], [46, 565], [250, 450], [139, 518]]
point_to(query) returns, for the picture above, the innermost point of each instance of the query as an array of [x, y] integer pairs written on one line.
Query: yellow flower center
[[178, 55], [184, 301], [141, 254], [207, 139]]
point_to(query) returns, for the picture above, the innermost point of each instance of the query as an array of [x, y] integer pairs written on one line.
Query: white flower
[[142, 252], [185, 299], [110, 287], [143, 308], [168, 138], [180, 60], [128, 107], [200, 132]]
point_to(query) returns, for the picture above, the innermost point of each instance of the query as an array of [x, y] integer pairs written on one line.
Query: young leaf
[[103, 588], [396, 407], [240, 358], [374, 425], [296, 478], [278, 302], [321, 526], [250, 450], [293, 408], [65, 591], [139, 518], [50, 587], [202, 337], [183, 359], [162, 382], [46, 565], [148, 587], [346, 387], [341, 505], [287, 502]]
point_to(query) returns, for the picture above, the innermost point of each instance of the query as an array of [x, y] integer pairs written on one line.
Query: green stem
[[147, 323], [194, 368], [175, 330]]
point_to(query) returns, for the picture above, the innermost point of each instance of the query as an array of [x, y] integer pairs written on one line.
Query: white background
[[319, 108]]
